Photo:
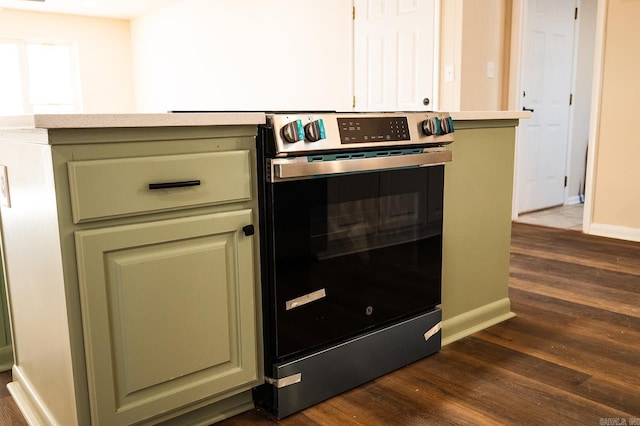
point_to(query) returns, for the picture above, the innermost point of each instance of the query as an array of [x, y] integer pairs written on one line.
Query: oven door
[[347, 253]]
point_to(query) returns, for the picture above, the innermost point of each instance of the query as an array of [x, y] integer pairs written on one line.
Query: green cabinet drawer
[[121, 187]]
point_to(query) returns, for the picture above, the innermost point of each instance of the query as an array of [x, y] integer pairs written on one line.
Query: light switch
[[490, 69], [448, 73]]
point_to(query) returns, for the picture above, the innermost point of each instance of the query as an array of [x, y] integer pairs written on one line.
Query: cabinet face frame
[[115, 271]]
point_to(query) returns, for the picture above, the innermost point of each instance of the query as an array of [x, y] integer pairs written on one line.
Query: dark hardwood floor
[[571, 356], [9, 412]]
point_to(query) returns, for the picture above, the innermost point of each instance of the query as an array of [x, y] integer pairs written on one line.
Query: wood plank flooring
[[570, 357], [9, 413]]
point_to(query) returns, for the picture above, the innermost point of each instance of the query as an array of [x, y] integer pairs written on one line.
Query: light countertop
[[489, 115], [83, 121]]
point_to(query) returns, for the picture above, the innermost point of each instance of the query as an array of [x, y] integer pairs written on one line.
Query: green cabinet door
[[168, 314]]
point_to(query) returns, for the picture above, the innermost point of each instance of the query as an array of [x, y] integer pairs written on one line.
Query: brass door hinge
[[353, 102], [575, 16], [570, 98], [353, 13]]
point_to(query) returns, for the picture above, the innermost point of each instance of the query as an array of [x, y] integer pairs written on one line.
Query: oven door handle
[[300, 168]]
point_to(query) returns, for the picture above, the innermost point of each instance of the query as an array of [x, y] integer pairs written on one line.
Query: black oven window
[[371, 243], [358, 226]]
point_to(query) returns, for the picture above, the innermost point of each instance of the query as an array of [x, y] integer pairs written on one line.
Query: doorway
[[546, 90], [570, 180]]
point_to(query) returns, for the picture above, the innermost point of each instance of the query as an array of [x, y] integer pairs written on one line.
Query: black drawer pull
[[166, 185]]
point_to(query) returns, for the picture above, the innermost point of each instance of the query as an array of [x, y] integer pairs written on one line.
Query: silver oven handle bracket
[[285, 381], [300, 168], [432, 331]]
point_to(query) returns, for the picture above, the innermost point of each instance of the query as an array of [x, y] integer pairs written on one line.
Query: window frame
[[23, 62]]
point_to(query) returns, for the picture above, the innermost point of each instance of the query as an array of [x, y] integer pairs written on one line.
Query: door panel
[[546, 82], [394, 48], [375, 77]]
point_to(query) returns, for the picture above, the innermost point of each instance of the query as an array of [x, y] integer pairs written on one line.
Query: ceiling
[[123, 9]]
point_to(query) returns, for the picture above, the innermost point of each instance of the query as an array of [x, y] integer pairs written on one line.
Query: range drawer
[[121, 187]]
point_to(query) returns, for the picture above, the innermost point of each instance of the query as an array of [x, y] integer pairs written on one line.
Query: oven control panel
[[373, 129], [297, 133]]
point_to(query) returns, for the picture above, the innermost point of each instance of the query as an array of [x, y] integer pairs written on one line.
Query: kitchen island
[[97, 262], [131, 253]]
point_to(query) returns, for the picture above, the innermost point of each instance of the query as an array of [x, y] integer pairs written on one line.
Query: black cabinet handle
[[249, 230], [527, 109], [167, 185]]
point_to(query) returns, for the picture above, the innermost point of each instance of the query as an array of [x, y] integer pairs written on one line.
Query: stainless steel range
[[351, 248]]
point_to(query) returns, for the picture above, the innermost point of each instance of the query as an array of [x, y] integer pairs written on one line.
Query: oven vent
[[369, 154]]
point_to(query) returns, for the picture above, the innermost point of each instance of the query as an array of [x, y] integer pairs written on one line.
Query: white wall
[[104, 53], [244, 55]]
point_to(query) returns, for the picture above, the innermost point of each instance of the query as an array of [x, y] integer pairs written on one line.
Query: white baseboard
[[27, 400], [475, 320], [573, 200], [613, 231]]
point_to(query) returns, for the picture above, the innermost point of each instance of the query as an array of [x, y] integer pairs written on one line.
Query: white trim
[[437, 25], [594, 126], [613, 231], [515, 57], [572, 109], [353, 58], [572, 200], [515, 85]]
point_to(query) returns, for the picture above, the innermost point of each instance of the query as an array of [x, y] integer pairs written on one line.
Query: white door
[[546, 84], [394, 51]]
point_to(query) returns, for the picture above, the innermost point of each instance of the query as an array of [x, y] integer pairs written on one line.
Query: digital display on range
[[373, 129]]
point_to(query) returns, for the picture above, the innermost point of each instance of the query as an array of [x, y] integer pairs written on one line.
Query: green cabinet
[[133, 273], [168, 312]]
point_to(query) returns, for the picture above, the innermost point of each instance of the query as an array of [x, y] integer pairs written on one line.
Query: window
[[10, 80], [38, 78]]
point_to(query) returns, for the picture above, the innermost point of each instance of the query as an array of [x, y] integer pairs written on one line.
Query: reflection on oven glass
[[362, 225]]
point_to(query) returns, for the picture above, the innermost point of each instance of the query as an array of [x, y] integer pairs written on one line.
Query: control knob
[[314, 131], [293, 132], [437, 126], [450, 125], [431, 126], [447, 125]]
